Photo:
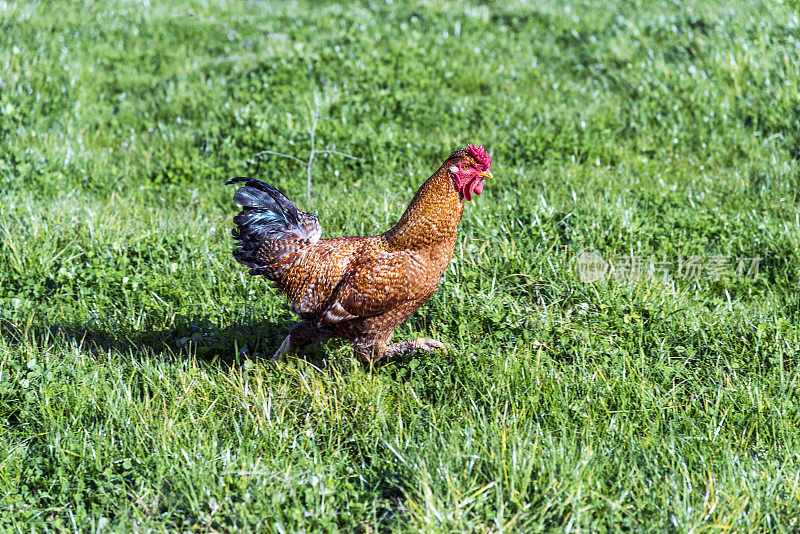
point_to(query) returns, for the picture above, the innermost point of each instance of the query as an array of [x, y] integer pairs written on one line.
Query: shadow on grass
[[245, 340]]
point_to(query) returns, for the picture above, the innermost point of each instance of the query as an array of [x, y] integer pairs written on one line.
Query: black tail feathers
[[269, 228]]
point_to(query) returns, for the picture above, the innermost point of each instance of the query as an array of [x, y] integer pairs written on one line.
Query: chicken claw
[[283, 350], [427, 344], [398, 351], [301, 335]]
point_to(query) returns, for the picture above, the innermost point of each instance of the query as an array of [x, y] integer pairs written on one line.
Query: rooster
[[357, 288]]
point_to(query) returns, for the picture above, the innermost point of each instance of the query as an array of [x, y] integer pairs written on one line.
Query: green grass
[[132, 395]]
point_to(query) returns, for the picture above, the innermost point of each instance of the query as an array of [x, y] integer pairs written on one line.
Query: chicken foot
[[397, 351], [301, 335]]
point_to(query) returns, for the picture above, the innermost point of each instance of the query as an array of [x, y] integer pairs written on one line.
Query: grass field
[[132, 393]]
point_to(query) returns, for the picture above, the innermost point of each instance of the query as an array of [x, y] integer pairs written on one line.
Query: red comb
[[479, 154]]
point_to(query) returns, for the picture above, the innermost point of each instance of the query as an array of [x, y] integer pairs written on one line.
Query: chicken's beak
[[486, 174]]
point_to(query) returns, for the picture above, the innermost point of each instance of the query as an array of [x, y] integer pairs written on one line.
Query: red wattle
[[467, 188], [474, 186]]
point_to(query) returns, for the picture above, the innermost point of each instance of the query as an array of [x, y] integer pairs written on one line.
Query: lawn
[[622, 311]]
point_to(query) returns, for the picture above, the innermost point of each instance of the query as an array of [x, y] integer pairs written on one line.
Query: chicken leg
[[301, 335]]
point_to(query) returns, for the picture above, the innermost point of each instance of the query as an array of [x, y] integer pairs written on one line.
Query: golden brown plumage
[[358, 288]]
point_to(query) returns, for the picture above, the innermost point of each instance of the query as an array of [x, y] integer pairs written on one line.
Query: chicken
[[357, 288]]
